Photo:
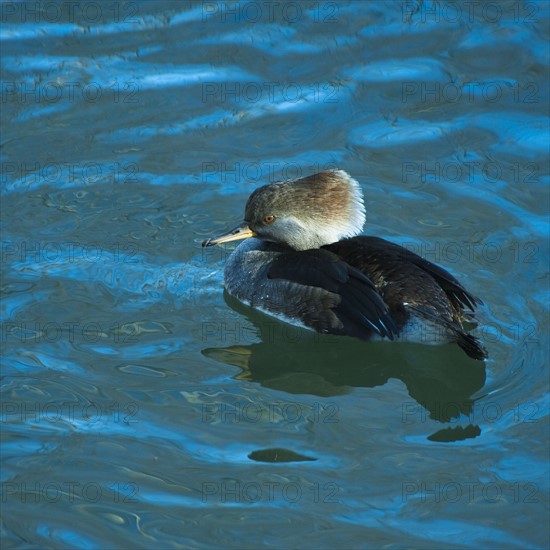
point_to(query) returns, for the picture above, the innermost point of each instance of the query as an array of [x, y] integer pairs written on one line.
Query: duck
[[303, 261]]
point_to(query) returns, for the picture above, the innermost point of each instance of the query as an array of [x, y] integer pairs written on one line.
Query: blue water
[[143, 408]]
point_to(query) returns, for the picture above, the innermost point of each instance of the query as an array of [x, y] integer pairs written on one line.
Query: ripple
[[187, 75], [392, 70], [144, 370], [382, 134], [517, 130]]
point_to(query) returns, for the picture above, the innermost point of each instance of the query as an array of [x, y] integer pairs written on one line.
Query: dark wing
[[382, 252], [360, 309]]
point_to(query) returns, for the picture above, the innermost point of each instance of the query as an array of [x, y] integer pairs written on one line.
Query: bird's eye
[[269, 218]]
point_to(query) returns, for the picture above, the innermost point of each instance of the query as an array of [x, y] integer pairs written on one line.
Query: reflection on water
[[441, 380]]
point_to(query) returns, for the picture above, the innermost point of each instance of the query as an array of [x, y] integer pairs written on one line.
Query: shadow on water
[[441, 379]]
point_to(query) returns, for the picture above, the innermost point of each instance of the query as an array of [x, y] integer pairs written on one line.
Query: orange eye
[[269, 219]]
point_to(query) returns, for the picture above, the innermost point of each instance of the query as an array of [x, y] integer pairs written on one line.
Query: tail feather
[[454, 330], [471, 345]]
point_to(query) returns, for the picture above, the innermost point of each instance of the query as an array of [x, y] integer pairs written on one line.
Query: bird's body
[[302, 271]]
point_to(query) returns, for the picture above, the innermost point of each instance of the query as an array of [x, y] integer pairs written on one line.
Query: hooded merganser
[[295, 266]]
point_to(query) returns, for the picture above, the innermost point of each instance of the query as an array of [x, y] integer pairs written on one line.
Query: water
[[141, 407]]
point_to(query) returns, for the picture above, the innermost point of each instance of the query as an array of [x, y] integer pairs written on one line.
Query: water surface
[[142, 407]]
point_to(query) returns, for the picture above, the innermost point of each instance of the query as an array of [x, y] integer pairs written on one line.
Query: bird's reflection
[[440, 379]]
